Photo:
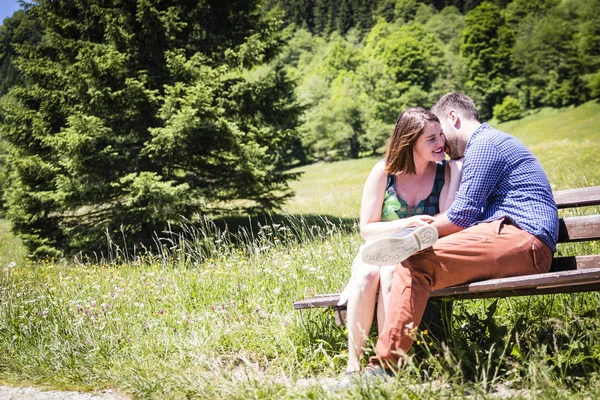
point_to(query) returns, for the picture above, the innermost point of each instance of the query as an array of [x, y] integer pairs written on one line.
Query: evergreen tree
[[546, 57], [14, 31], [405, 10], [326, 16], [138, 113], [486, 43], [588, 43], [385, 9]]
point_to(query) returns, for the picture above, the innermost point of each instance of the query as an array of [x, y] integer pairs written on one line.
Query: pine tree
[[139, 113]]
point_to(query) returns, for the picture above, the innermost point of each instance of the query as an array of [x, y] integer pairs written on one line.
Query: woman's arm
[[371, 226], [451, 183]]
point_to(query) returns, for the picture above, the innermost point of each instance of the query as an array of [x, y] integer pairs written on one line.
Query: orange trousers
[[488, 250]]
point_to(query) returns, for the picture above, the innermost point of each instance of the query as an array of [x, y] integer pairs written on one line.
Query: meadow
[[208, 313]]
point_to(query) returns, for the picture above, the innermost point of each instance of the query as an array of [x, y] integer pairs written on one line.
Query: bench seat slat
[[326, 300], [585, 278], [540, 281], [332, 299], [567, 288]]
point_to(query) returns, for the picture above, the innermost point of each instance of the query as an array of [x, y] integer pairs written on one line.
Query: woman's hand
[[451, 183], [456, 165], [418, 220]]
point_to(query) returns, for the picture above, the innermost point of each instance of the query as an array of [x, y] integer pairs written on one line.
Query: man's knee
[[415, 268]]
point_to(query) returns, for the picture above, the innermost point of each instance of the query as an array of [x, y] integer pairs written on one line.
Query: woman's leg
[[360, 310], [386, 273]]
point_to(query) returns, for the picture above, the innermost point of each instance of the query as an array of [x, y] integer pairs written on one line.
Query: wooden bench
[[568, 274]]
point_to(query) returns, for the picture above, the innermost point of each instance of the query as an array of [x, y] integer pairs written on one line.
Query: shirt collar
[[480, 129]]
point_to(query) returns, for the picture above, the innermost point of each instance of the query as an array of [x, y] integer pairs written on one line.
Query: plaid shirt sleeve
[[483, 169]]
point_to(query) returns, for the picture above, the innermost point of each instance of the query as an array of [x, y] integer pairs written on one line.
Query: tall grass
[[172, 322], [207, 312]]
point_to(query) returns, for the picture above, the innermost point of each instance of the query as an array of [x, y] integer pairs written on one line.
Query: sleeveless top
[[395, 208]]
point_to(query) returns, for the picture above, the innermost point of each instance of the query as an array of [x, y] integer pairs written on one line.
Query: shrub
[[508, 110], [593, 84]]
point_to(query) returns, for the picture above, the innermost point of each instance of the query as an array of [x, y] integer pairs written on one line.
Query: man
[[503, 222]]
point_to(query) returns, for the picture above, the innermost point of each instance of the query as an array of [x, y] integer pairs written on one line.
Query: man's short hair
[[455, 101]]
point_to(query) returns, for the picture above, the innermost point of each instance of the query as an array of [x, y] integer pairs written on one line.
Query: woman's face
[[430, 145]]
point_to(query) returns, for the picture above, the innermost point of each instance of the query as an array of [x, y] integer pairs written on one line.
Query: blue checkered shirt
[[502, 178]]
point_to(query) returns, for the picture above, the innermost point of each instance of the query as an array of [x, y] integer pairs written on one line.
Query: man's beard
[[451, 148]]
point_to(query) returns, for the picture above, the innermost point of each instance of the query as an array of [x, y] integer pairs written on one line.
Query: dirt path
[[29, 393]]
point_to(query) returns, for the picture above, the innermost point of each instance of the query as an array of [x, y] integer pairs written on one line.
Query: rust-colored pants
[[495, 249]]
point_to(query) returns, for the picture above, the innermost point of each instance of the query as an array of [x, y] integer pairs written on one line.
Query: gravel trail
[[30, 393]]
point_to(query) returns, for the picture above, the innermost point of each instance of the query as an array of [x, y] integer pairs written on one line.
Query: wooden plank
[[326, 300], [577, 229], [550, 279], [562, 289], [579, 197], [560, 264]]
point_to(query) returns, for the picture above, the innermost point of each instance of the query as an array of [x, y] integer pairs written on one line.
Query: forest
[[120, 118]]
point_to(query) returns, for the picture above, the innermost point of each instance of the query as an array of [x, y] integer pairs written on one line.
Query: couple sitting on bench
[[423, 231]]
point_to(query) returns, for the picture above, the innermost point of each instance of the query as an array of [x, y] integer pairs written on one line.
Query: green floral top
[[395, 208]]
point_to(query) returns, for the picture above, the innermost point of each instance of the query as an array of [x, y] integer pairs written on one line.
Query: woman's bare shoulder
[[380, 166]]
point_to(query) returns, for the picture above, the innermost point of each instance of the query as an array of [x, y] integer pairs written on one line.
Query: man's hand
[[444, 226]]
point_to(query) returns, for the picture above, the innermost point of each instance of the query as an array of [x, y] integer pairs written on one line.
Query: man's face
[[451, 134]]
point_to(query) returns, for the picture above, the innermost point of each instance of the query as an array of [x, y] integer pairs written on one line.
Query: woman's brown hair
[[409, 127]]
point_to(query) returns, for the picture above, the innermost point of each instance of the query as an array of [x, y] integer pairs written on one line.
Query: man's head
[[459, 117]]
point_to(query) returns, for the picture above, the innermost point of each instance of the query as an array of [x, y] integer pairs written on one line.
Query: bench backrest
[[577, 229]]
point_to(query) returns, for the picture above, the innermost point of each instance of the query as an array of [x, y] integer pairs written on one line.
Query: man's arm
[[444, 226], [484, 166]]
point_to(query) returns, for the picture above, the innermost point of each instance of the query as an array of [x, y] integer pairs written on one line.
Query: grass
[[330, 189], [210, 316], [565, 141]]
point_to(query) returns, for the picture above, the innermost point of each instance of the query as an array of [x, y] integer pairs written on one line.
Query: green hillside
[[566, 142]]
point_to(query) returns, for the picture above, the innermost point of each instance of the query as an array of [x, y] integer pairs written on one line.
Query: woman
[[410, 185]]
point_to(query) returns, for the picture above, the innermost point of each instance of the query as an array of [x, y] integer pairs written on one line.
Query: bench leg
[[340, 315]]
